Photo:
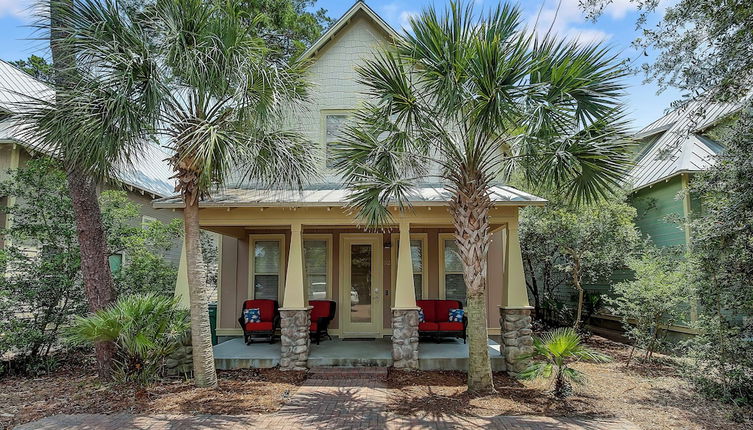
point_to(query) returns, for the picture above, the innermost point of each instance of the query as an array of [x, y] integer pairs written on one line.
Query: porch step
[[348, 373]]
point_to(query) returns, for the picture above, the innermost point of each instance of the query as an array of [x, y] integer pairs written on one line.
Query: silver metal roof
[[149, 172], [336, 196], [677, 145], [17, 87]]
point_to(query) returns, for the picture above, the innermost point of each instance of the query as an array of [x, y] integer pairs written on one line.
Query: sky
[[616, 27]]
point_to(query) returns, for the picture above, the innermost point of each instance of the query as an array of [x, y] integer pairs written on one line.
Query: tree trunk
[[201, 335], [576, 283], [470, 210], [95, 269]]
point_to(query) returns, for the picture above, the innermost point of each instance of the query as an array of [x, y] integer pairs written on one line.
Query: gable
[[334, 80]]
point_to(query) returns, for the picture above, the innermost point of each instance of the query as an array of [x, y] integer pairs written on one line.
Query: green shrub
[[145, 330], [553, 353], [657, 298]]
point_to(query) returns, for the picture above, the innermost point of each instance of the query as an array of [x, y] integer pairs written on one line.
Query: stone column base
[[295, 340], [516, 337], [405, 338]]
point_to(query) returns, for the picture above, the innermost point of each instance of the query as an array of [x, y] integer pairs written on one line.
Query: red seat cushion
[[266, 308], [260, 326], [443, 309], [428, 307], [428, 326], [450, 326], [313, 326], [320, 308]]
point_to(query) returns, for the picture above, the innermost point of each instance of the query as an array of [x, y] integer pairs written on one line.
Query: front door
[[361, 285]]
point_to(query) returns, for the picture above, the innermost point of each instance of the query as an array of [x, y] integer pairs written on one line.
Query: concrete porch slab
[[450, 354]]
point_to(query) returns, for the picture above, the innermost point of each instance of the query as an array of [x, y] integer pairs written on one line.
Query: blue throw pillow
[[252, 315], [456, 315], [421, 317]]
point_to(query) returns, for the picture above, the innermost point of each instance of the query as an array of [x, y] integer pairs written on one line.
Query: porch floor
[[450, 354]]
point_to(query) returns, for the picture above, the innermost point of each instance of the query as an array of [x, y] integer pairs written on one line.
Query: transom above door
[[361, 285]]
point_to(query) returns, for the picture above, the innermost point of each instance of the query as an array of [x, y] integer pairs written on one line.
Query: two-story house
[[294, 247]]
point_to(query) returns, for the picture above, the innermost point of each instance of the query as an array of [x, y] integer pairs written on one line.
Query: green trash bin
[[213, 321]]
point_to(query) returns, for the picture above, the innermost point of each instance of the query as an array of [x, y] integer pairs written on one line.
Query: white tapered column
[[405, 312], [515, 312], [295, 314], [405, 292], [295, 295]]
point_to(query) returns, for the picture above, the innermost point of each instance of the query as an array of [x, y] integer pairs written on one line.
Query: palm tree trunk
[[95, 269], [470, 210], [201, 335]]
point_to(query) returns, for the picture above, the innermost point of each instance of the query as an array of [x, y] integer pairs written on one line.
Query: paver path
[[331, 398]]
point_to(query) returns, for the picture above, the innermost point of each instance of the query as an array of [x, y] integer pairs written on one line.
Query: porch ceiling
[[335, 196]]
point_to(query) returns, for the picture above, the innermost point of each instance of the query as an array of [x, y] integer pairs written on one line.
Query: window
[[316, 259], [417, 254], [267, 263], [333, 128], [454, 285]]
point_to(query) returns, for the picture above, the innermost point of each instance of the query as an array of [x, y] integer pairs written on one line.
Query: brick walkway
[[341, 399]]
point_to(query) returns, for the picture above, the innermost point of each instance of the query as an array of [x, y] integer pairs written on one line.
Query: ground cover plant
[[552, 358], [145, 329]]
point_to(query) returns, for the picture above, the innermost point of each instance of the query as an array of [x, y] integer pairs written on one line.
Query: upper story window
[[333, 133]]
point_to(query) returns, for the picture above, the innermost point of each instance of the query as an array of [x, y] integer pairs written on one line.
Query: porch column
[[295, 314], [181, 284], [405, 312], [515, 312]]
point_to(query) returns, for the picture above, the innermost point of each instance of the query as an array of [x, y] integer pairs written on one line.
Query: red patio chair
[[322, 312], [270, 320]]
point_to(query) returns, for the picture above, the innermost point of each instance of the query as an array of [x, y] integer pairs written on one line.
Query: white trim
[[342, 22]]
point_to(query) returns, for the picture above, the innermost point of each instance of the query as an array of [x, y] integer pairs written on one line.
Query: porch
[[295, 248], [450, 354]]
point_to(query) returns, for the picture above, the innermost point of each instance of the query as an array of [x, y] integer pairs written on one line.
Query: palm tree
[[556, 351], [482, 98], [189, 74]]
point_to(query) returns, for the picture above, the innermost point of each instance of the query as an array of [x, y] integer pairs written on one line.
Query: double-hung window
[[333, 124], [454, 285], [267, 264], [316, 258]]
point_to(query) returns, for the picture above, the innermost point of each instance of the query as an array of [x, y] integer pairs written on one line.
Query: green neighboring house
[[671, 151]]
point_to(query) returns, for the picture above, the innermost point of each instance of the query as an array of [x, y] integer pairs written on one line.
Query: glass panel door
[[360, 283], [361, 292]]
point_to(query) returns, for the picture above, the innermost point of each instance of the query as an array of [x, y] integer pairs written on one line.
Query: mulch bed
[[651, 396], [75, 389]]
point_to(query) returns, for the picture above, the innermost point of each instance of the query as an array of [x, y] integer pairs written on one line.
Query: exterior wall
[[234, 277], [654, 205]]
